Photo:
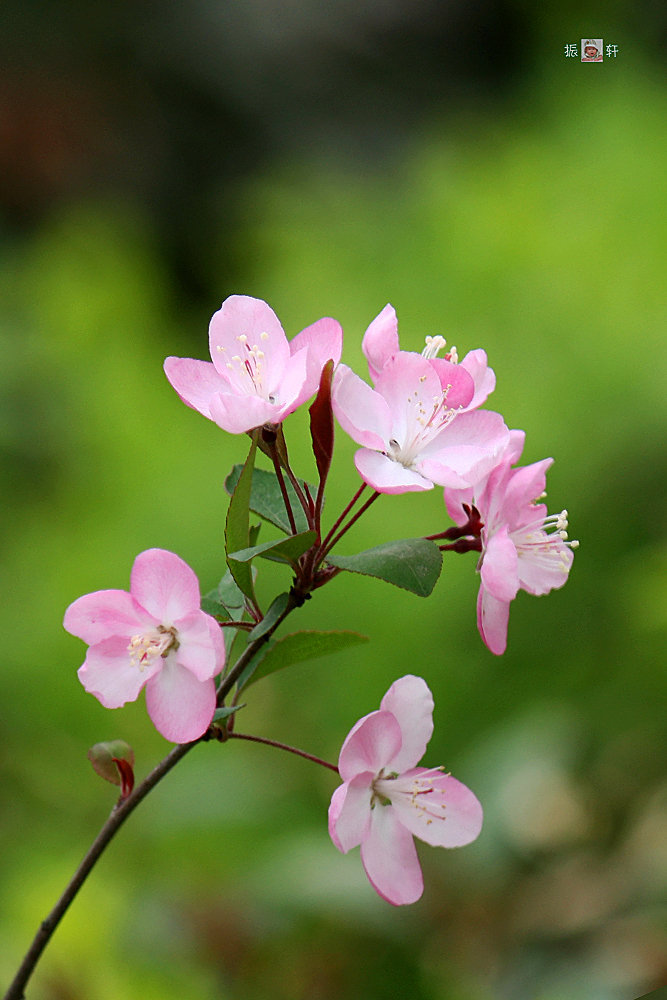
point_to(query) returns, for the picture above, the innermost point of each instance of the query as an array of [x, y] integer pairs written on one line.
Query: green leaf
[[225, 712], [274, 613], [224, 601], [237, 526], [295, 648], [411, 563], [266, 498], [286, 550]]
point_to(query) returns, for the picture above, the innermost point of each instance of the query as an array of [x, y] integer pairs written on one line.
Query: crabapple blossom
[[411, 425], [386, 800], [523, 547], [157, 637], [380, 344], [256, 376]]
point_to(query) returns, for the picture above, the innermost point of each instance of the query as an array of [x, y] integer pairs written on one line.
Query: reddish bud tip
[[114, 761]]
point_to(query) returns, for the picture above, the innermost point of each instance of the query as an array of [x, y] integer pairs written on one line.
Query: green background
[[534, 228]]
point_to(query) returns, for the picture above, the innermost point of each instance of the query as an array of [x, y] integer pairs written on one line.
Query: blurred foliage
[[538, 236]]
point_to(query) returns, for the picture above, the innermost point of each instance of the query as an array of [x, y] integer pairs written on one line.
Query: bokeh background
[[446, 157]]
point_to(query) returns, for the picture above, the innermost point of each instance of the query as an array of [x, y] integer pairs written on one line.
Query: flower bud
[[114, 761]]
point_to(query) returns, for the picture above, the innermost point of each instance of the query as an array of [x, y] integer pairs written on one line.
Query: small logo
[[591, 50]]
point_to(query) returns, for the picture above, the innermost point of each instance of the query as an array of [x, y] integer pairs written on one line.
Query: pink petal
[[163, 584], [447, 815], [335, 809], [370, 744], [201, 649], [324, 342], [455, 381], [524, 486], [237, 413], [548, 568], [515, 447], [380, 341], [350, 812], [390, 859], [106, 613], [454, 500], [499, 570], [196, 382], [409, 383], [361, 412], [411, 703], [293, 388], [110, 675], [387, 476], [484, 379], [180, 706], [468, 448], [492, 620], [239, 316]]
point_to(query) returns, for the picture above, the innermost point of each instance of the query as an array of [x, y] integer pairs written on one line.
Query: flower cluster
[[419, 424]]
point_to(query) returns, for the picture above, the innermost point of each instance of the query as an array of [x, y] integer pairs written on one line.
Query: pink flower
[[385, 800], [380, 345], [412, 427], [256, 377], [523, 548], [155, 637]]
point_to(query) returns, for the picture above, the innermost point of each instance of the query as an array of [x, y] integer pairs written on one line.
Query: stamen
[[145, 647], [433, 346]]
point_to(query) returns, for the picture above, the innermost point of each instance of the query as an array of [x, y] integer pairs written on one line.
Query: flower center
[[421, 426], [145, 647], [246, 369], [416, 789]]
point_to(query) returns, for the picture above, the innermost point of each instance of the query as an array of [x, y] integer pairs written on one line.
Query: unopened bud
[[114, 761]]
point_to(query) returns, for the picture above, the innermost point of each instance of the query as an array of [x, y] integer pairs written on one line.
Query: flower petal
[[484, 379], [324, 342], [409, 384], [180, 706], [454, 500], [499, 570], [105, 613], [549, 566], [468, 448], [380, 341], [390, 859], [437, 808], [455, 381], [387, 476], [242, 316], [370, 744], [163, 584], [110, 675], [196, 382], [350, 812], [236, 413], [525, 485], [361, 412], [202, 648], [292, 388], [411, 703], [492, 619]]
